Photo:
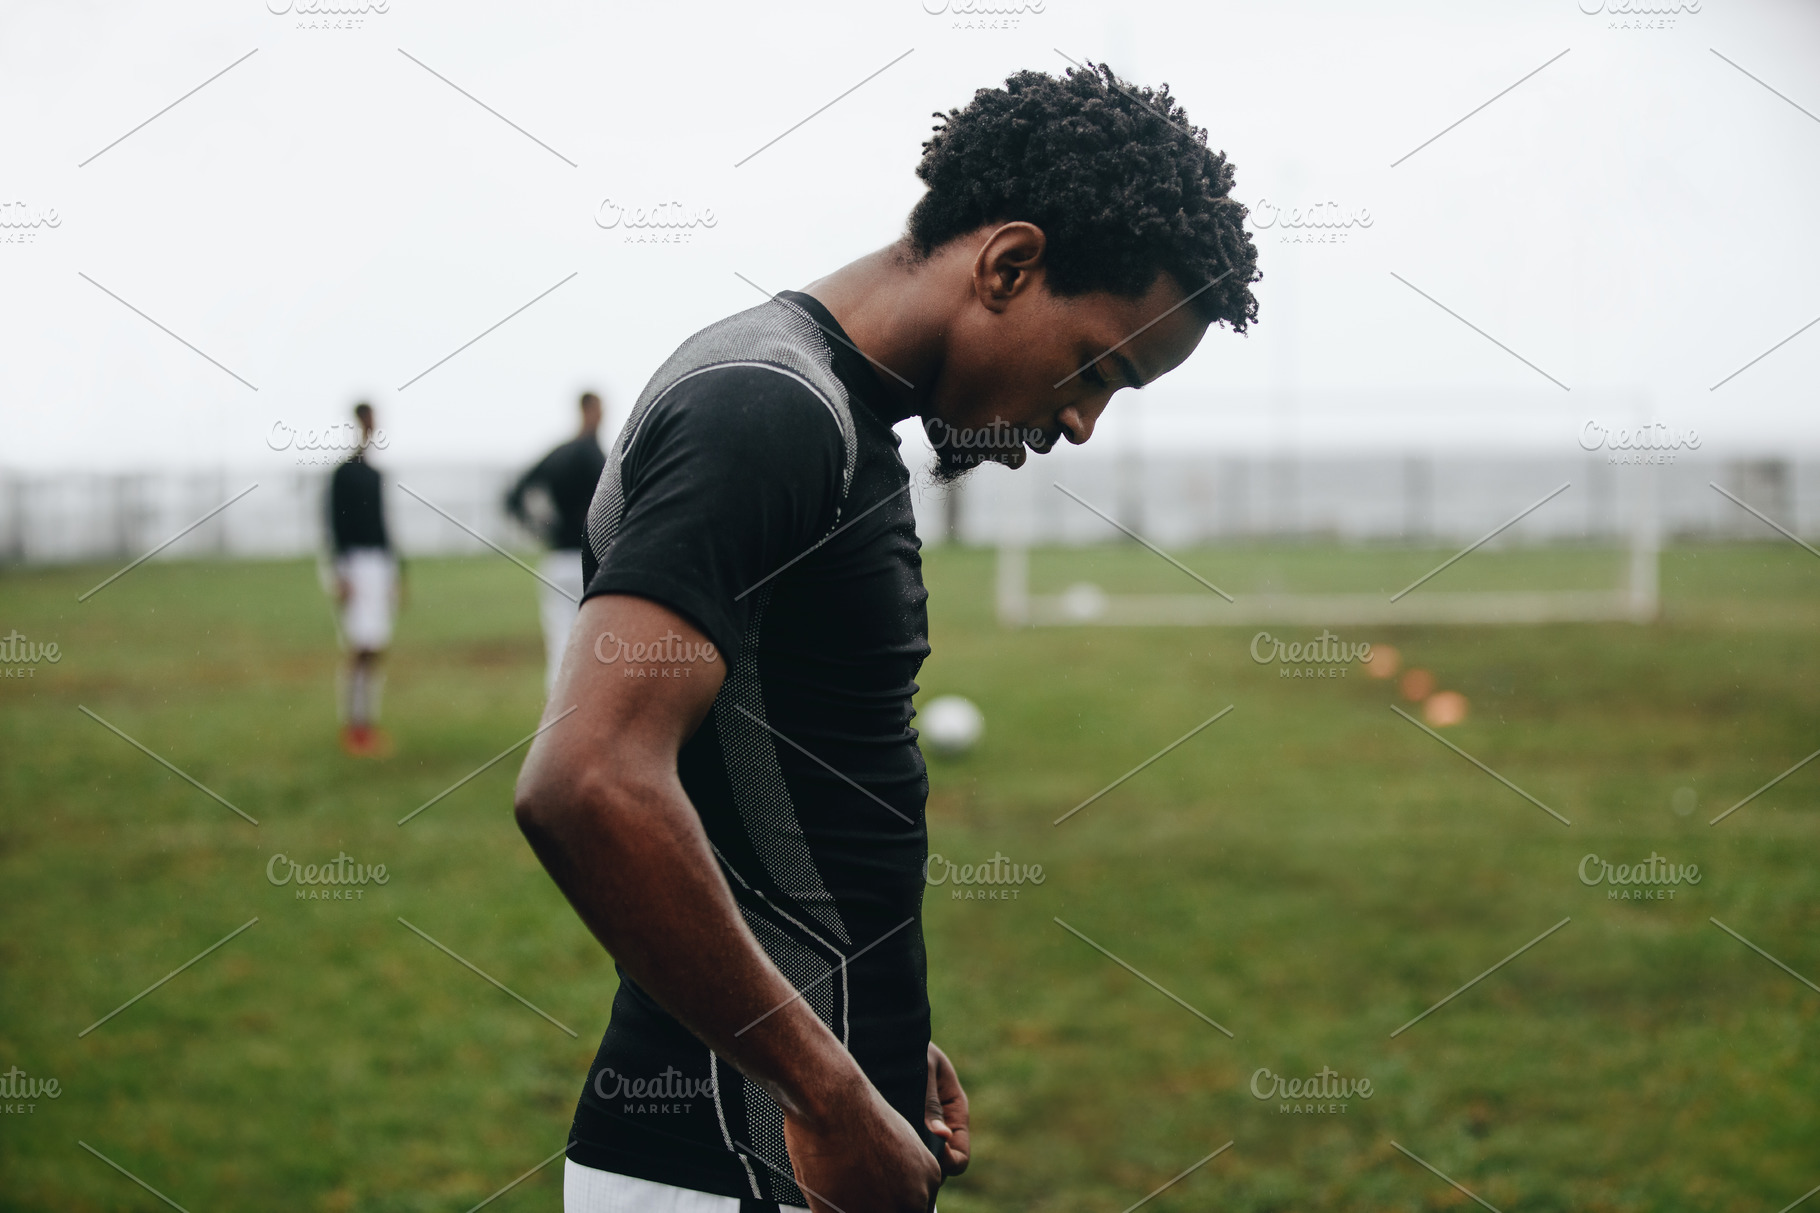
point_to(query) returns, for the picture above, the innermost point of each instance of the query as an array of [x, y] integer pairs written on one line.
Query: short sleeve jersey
[[569, 474], [356, 506], [757, 490]]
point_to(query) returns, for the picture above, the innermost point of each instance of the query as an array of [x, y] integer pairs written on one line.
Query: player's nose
[[1077, 422]]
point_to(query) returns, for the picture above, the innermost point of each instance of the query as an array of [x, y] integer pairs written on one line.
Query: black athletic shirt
[[356, 508], [569, 475], [757, 490]]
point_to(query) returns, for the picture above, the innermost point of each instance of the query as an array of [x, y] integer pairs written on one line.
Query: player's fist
[[862, 1158]]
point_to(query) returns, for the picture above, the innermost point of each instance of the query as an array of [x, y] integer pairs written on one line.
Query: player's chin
[[952, 465], [1017, 456]]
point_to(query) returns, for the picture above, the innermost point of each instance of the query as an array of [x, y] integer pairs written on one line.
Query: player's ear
[[1007, 264]]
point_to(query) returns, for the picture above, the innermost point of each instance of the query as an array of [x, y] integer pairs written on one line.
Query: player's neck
[[893, 313]]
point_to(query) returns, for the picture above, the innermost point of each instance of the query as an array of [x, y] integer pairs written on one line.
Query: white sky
[[328, 219]]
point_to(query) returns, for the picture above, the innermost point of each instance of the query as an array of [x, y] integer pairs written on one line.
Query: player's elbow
[[547, 801], [556, 803], [531, 811]]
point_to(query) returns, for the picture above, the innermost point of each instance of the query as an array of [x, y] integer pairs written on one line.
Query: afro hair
[[1121, 185]]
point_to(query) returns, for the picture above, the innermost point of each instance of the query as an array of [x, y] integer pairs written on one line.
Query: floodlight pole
[[1645, 574], [1645, 580], [1013, 584]]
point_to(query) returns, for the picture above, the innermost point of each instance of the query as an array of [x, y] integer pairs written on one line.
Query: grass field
[[1311, 872]]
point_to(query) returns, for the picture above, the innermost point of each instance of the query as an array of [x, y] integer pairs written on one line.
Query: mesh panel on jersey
[[778, 335], [807, 972], [720, 1116], [777, 914], [765, 804]]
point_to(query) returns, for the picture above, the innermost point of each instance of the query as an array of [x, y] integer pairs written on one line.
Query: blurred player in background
[[551, 500], [366, 587]]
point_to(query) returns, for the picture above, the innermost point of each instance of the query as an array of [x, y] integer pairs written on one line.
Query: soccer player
[[563, 484], [366, 587], [735, 806]]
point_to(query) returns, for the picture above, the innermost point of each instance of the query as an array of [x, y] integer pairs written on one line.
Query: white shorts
[[585, 1190], [563, 567], [371, 575]]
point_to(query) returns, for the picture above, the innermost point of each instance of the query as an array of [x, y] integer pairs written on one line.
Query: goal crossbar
[[1636, 600]]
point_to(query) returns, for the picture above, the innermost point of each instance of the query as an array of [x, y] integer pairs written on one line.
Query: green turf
[[1311, 872], [1312, 569]]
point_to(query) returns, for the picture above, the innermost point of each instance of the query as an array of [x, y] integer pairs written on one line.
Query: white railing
[[1172, 499]]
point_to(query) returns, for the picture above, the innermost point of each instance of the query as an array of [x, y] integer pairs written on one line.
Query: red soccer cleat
[[365, 741]]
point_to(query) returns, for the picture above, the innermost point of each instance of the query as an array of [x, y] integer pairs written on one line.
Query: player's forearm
[[515, 499], [633, 861]]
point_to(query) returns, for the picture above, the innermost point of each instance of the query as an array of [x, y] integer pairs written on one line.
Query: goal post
[[1636, 597]]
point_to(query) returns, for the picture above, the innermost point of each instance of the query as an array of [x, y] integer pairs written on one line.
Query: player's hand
[[945, 1112], [864, 1158], [342, 590]]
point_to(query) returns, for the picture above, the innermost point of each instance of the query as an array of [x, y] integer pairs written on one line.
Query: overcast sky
[[328, 219]]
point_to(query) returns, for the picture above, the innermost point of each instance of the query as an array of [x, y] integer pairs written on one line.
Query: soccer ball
[[951, 725], [1084, 602]]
